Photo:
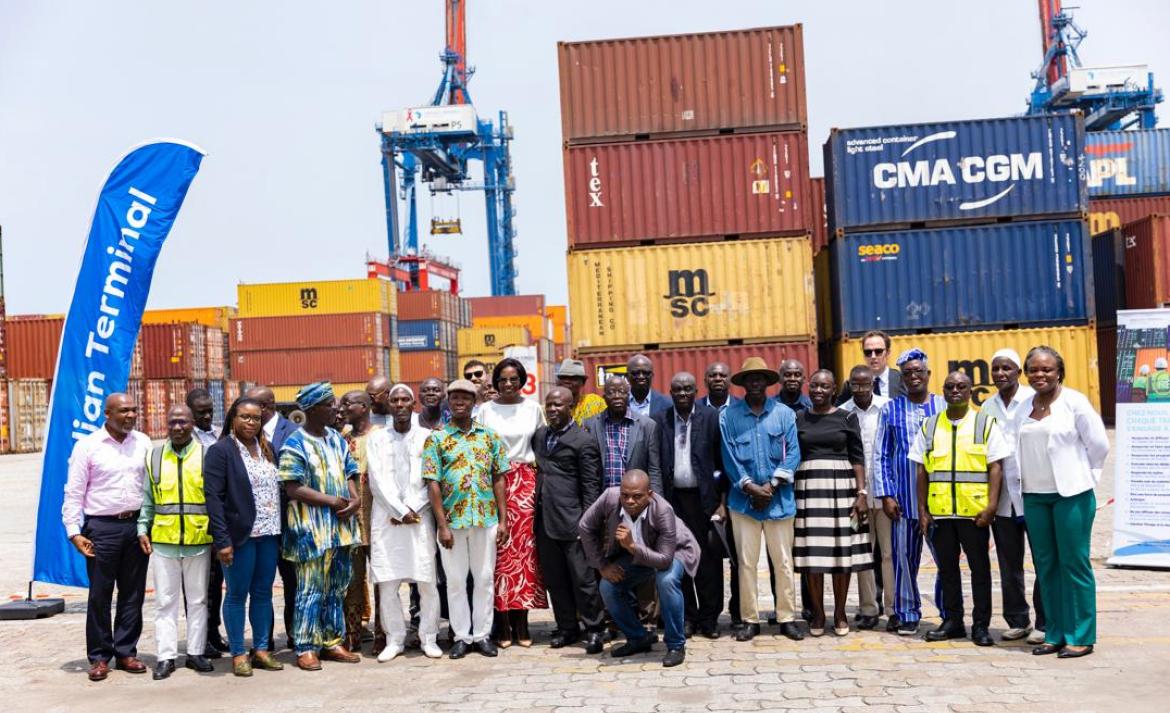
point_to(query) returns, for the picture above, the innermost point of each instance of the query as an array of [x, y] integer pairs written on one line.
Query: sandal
[[242, 666], [265, 662]]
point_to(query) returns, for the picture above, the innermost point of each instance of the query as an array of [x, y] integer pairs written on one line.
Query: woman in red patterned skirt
[[518, 584]]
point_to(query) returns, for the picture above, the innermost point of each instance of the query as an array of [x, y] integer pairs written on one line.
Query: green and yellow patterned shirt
[[323, 464], [464, 463]]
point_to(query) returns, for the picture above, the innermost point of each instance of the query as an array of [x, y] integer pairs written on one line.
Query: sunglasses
[[873, 352], [474, 374]]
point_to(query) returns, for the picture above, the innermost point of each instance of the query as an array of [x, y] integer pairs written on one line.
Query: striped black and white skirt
[[825, 539]]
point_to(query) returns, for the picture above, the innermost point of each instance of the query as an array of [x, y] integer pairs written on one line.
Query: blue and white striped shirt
[[895, 476]]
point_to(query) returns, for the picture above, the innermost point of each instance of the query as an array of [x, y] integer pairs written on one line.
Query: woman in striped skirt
[[832, 529]]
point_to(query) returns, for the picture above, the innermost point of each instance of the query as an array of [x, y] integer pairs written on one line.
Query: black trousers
[[949, 536], [214, 598], [287, 569], [702, 594], [571, 583], [118, 561], [1010, 534]]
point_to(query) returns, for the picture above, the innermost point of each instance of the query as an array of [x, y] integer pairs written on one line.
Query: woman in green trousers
[[1061, 447]]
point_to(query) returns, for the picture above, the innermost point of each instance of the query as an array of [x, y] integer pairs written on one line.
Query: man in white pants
[[172, 526], [464, 465], [402, 529]]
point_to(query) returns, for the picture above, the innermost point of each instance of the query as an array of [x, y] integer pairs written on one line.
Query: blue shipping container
[[1128, 163], [985, 277], [215, 388], [421, 335], [899, 176], [1109, 275]]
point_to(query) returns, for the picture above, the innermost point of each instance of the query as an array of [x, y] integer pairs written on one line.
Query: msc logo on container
[[979, 372], [687, 292], [308, 298], [881, 251]]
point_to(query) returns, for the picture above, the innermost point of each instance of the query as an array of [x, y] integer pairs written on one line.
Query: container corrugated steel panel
[[304, 366], [624, 88], [174, 351], [710, 188], [158, 396], [558, 315], [971, 352], [971, 171], [1107, 367], [134, 390], [32, 346], [760, 290], [668, 362], [820, 215], [1147, 262], [491, 340], [208, 316], [290, 299], [5, 447], [429, 304], [503, 306], [417, 366], [983, 277], [367, 329], [232, 390], [537, 325], [214, 352], [1127, 163], [417, 335], [218, 408], [823, 286], [1108, 275], [288, 393], [1108, 213], [3, 343], [28, 406]]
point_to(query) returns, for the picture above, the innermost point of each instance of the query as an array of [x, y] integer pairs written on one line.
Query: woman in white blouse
[[518, 584], [1061, 447]]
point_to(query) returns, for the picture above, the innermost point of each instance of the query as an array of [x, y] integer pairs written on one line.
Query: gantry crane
[[434, 145], [1111, 98]]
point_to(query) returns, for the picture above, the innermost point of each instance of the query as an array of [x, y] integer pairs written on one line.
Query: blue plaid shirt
[[617, 434]]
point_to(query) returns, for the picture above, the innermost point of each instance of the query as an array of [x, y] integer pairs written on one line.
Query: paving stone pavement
[[874, 672]]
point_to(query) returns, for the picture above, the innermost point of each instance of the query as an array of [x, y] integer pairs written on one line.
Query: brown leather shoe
[[130, 664], [308, 661], [340, 654], [99, 671]]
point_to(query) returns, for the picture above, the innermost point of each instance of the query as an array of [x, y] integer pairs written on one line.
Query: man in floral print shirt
[[464, 464]]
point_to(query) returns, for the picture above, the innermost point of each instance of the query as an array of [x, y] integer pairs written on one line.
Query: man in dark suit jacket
[[631, 535], [640, 435], [644, 400], [887, 380], [568, 481], [691, 431]]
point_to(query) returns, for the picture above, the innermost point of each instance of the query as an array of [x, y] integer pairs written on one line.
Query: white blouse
[[514, 424], [1077, 443]]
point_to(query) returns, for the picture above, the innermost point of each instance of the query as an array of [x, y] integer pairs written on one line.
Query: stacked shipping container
[[429, 321], [688, 199]]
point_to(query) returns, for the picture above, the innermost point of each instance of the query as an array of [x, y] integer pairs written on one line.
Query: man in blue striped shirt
[[894, 483]]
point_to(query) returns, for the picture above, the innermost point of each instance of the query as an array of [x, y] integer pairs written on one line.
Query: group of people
[[617, 509]]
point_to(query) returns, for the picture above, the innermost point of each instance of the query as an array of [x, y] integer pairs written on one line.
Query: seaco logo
[[309, 298], [995, 169], [688, 292], [882, 251]]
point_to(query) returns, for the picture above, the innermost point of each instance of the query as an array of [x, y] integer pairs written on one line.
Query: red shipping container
[[174, 351], [158, 396], [33, 342], [668, 362], [1107, 370], [820, 215], [417, 366], [361, 329], [215, 353], [4, 443], [1147, 262], [628, 88], [744, 185], [28, 404], [506, 306], [304, 366], [429, 304], [3, 341], [1108, 213]]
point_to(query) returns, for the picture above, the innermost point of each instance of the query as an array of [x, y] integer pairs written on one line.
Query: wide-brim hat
[[755, 365]]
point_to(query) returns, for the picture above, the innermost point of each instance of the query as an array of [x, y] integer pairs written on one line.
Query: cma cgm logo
[[997, 168], [309, 298], [688, 292]]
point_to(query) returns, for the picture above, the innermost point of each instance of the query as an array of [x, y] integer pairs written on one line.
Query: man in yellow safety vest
[[958, 453], [172, 526]]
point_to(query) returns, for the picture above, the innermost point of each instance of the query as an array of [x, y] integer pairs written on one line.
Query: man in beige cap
[[571, 375]]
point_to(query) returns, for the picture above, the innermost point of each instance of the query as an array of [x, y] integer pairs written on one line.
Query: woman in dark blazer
[[243, 505]]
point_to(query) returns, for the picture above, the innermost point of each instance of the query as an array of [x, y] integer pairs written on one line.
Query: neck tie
[[877, 385]]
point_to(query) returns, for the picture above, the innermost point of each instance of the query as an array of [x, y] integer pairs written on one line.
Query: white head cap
[[403, 387], [1011, 355]]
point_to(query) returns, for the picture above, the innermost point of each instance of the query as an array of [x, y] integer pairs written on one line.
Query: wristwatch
[[862, 491]]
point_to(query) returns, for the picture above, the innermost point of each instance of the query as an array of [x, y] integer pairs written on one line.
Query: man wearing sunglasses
[[644, 400], [887, 381]]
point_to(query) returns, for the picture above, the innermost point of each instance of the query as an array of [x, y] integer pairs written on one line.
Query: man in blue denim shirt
[[760, 455]]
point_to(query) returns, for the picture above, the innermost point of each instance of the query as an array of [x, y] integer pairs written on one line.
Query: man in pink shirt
[[102, 497]]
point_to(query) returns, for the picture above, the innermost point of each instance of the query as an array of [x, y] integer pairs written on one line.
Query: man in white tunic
[[402, 528]]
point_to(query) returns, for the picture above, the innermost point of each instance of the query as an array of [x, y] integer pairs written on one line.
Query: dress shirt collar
[[270, 426], [623, 420]]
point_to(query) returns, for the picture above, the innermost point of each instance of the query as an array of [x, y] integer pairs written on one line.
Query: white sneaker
[[1036, 637], [1016, 633], [390, 652], [431, 650]]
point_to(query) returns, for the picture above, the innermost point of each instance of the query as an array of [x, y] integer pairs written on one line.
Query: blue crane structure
[[435, 145], [1111, 98]]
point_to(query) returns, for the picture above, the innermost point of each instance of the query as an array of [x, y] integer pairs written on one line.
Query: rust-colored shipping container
[[158, 396], [3, 341], [706, 188], [668, 362], [1147, 262], [705, 82], [429, 304], [304, 366], [28, 407], [135, 391], [820, 215], [232, 390], [417, 366], [33, 342], [1108, 213], [174, 351], [503, 306], [366, 329], [1107, 368], [215, 353], [4, 444]]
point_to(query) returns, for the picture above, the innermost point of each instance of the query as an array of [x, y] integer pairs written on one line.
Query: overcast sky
[[284, 97]]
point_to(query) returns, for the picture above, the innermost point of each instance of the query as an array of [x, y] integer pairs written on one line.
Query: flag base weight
[[31, 609]]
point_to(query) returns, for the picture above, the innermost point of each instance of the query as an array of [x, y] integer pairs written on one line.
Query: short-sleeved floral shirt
[[464, 463]]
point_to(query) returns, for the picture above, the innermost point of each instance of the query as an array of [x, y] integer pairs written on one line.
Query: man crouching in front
[[630, 535]]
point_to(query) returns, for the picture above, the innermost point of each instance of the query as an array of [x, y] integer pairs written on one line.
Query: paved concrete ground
[[44, 662]]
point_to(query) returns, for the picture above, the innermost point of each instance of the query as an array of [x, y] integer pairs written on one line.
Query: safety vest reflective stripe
[[185, 508], [959, 476]]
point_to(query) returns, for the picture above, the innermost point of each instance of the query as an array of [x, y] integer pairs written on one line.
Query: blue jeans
[[622, 602], [250, 574]]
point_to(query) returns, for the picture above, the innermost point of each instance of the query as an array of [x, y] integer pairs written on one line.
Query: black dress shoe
[[487, 647], [709, 631], [561, 639], [1068, 653], [163, 669], [215, 641], [209, 652], [773, 621], [792, 631], [1046, 648], [947, 630], [747, 632], [866, 622], [594, 643], [637, 646], [982, 637], [805, 614], [688, 629], [199, 663], [674, 657], [893, 623], [459, 650]]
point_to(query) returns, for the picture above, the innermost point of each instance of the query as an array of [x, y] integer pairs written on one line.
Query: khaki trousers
[[778, 535], [879, 533]]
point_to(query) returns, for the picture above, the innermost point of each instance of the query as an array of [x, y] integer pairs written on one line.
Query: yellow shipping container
[[971, 352], [290, 299], [288, 394], [558, 315], [537, 325], [396, 365], [700, 293], [217, 317], [491, 340]]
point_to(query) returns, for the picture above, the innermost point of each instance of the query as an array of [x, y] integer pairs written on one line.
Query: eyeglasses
[[639, 372], [474, 374], [915, 371], [873, 352], [248, 418]]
